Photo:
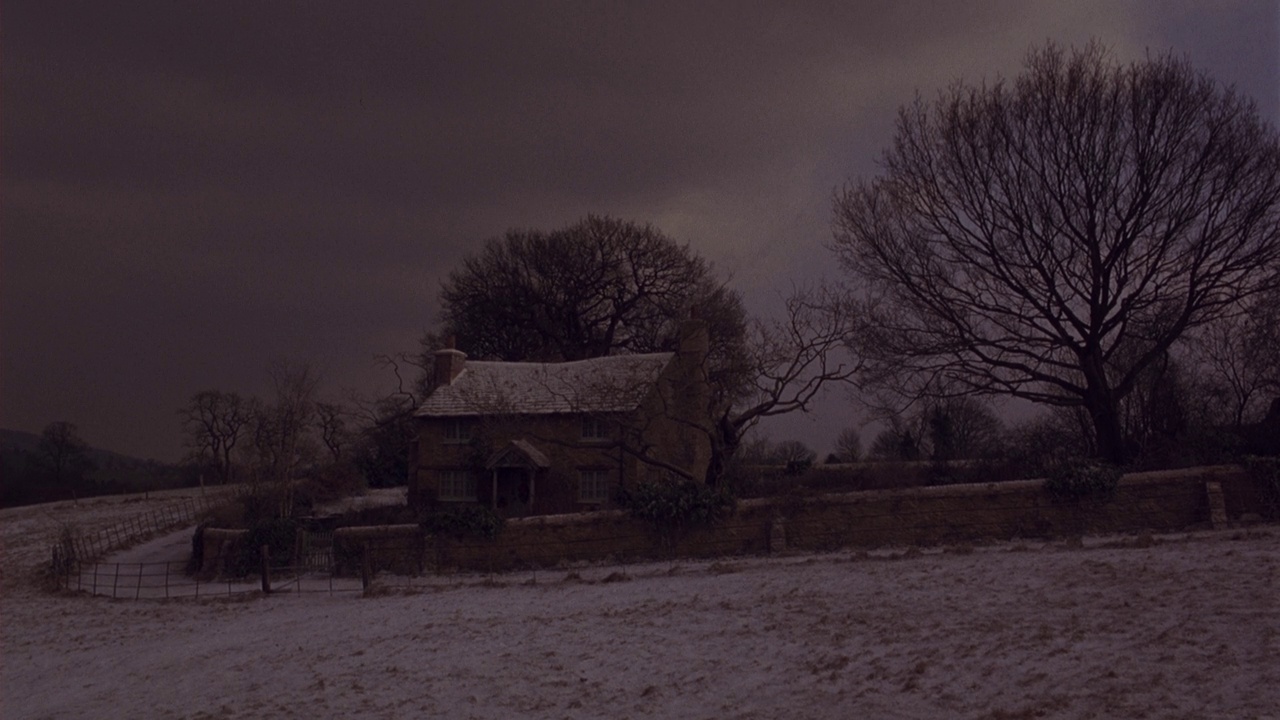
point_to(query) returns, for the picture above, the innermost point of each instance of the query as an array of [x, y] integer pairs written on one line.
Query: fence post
[[365, 570], [266, 576], [298, 539]]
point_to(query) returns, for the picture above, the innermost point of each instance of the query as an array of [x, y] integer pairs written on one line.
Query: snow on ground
[[1183, 626]]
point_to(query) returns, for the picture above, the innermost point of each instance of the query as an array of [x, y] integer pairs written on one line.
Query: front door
[[513, 492]]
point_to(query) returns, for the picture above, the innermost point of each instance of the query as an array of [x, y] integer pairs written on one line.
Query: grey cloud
[[193, 189]]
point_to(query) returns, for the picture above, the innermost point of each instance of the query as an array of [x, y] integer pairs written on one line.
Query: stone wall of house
[[559, 437]]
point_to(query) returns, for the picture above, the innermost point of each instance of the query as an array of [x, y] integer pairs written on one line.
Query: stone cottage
[[542, 438]]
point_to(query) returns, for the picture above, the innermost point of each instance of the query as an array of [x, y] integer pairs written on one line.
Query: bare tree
[[849, 445], [790, 362], [214, 423], [280, 432], [293, 412], [598, 287], [899, 441], [1241, 355], [331, 421], [62, 453], [960, 428], [1052, 237], [794, 453]]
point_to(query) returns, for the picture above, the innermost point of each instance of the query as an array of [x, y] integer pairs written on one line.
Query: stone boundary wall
[[1153, 501], [220, 545]]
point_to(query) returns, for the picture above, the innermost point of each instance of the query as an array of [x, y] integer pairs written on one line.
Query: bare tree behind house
[[1051, 237], [791, 361], [598, 287]]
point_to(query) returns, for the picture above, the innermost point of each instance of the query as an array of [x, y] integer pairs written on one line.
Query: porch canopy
[[517, 455]]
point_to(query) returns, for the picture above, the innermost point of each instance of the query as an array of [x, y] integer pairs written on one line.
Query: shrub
[[279, 537], [196, 560], [672, 506], [1077, 480]]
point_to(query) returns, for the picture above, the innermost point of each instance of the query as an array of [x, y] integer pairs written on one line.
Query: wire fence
[[71, 544], [171, 580]]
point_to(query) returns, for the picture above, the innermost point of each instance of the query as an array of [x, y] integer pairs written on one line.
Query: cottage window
[[457, 486], [593, 486], [594, 428], [457, 431]]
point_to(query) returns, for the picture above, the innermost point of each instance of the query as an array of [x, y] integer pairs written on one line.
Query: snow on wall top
[[608, 384]]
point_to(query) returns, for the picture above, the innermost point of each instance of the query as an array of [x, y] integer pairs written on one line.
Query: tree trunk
[[1104, 410], [724, 443], [1109, 436]]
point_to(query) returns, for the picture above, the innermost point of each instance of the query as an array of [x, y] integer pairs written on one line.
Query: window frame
[[599, 480], [598, 427], [451, 479], [457, 431]]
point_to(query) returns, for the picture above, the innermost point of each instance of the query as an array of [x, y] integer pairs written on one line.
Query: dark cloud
[[194, 189]]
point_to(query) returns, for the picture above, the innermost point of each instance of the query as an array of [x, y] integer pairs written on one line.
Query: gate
[[316, 551]]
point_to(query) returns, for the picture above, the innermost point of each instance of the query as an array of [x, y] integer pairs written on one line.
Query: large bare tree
[[1051, 237], [599, 287]]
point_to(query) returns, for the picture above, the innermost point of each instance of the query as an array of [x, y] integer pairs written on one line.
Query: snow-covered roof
[[609, 384]]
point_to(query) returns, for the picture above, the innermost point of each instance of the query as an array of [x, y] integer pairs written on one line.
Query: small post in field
[[366, 571], [266, 576]]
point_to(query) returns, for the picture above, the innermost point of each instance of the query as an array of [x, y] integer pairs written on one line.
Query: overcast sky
[[193, 189]]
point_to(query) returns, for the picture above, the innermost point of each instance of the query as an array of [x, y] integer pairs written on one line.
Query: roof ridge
[[535, 363]]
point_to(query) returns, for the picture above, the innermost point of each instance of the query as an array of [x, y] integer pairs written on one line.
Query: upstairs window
[[594, 486], [457, 486], [457, 431], [594, 428]]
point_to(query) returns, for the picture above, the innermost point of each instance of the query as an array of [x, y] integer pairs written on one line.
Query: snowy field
[[1184, 626]]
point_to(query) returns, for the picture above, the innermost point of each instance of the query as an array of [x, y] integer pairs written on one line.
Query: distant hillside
[[24, 481], [18, 441]]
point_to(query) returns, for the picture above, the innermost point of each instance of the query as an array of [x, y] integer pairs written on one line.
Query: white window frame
[[457, 431], [456, 486], [594, 486], [594, 428]]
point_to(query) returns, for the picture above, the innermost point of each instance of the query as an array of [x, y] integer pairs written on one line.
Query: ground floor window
[[593, 486], [457, 486]]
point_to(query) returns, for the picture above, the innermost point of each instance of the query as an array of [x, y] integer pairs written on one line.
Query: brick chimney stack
[[449, 362], [695, 341]]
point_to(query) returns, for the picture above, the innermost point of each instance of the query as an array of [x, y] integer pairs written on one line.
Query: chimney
[[695, 341], [449, 362]]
